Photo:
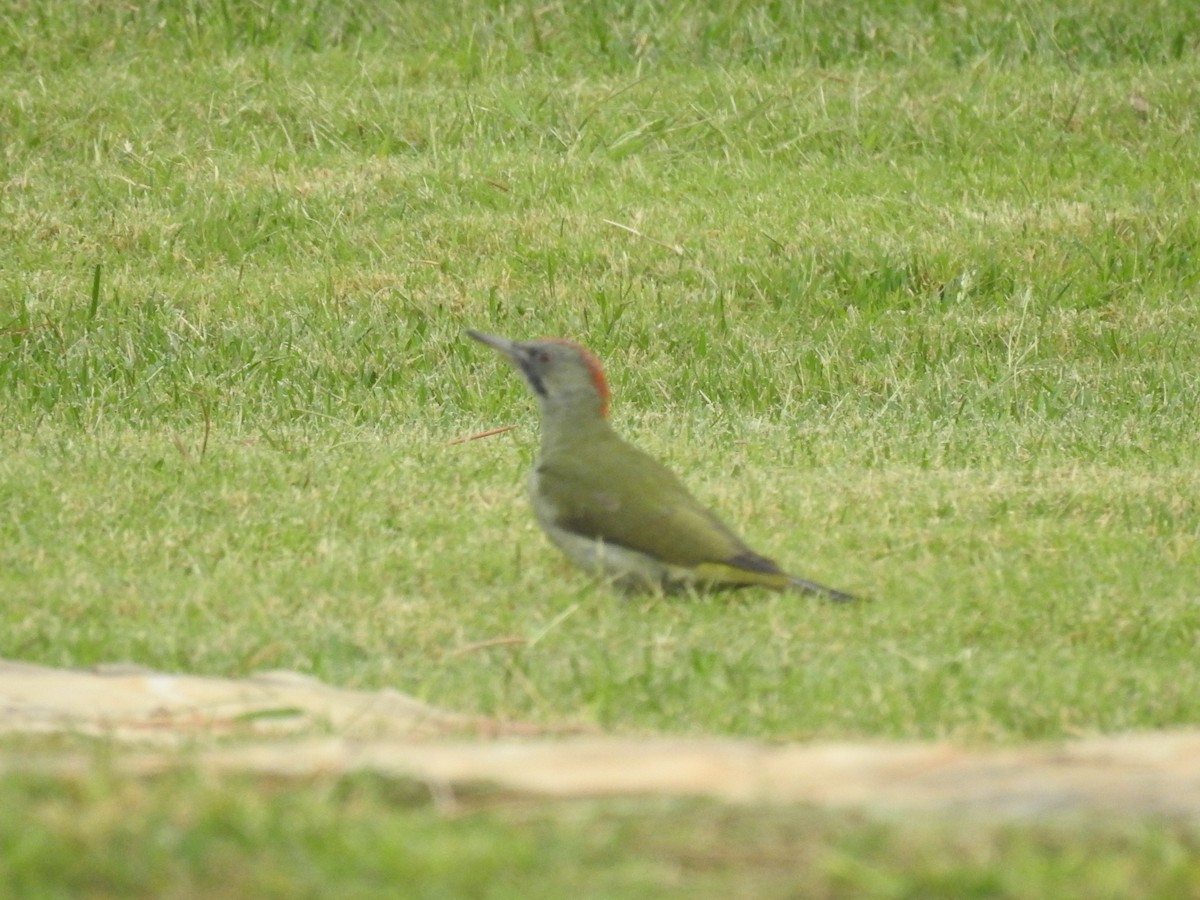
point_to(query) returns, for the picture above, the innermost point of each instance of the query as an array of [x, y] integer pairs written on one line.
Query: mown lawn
[[908, 292]]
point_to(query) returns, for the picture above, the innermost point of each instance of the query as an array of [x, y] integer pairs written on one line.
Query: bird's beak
[[519, 355], [502, 345]]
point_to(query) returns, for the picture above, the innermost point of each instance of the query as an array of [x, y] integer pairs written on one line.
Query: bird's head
[[565, 377]]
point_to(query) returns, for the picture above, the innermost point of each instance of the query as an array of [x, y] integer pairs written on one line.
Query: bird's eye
[[543, 357]]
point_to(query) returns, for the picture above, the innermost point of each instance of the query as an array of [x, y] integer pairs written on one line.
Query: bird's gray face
[[560, 373]]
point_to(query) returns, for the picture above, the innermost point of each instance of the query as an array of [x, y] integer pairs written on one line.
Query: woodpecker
[[612, 509]]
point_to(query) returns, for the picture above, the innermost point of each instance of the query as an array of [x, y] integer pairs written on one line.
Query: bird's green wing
[[623, 496]]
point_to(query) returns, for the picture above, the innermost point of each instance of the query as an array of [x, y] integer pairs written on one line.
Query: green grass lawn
[[908, 292]]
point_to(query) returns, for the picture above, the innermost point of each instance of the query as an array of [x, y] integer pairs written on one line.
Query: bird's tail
[[804, 586]]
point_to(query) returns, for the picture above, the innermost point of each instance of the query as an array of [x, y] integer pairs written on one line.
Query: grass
[[363, 837], [907, 293]]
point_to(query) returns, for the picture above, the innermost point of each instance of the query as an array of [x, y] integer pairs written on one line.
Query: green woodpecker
[[612, 509]]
